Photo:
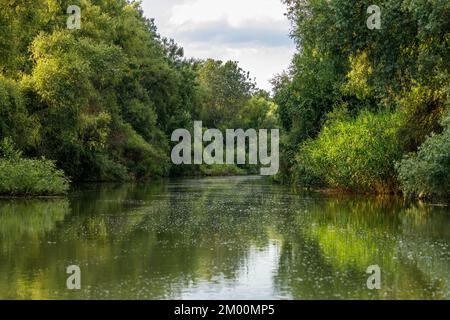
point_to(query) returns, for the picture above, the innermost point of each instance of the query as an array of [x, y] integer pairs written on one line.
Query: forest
[[359, 110]]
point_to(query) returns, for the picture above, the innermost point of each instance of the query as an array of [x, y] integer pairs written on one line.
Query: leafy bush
[[8, 150], [144, 159], [14, 119], [28, 177], [427, 173], [356, 154], [423, 108], [31, 177]]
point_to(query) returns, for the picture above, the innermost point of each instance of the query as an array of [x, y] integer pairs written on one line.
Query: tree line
[[366, 109], [102, 101], [361, 109]]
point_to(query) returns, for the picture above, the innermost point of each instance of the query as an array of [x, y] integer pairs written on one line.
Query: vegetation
[[28, 177], [101, 102], [354, 153], [427, 173], [355, 100]]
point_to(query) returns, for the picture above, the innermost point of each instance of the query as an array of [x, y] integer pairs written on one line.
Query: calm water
[[221, 238]]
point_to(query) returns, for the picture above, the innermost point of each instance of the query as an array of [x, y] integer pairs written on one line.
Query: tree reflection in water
[[223, 238]]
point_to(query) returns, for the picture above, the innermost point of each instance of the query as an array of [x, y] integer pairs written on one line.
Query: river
[[221, 238]]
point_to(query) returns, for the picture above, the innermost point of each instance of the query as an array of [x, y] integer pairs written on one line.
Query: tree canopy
[[103, 100]]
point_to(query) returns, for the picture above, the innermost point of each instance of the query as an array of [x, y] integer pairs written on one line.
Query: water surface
[[221, 238]]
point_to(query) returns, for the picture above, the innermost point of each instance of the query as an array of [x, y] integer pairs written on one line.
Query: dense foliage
[[400, 72], [427, 173], [26, 177], [103, 100], [356, 154], [360, 109]]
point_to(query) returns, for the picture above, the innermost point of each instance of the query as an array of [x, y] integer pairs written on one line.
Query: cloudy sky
[[253, 32]]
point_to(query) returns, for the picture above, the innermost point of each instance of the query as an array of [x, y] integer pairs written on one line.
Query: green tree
[[342, 65], [226, 88]]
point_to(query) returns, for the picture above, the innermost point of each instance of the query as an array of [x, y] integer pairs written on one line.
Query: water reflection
[[221, 238]]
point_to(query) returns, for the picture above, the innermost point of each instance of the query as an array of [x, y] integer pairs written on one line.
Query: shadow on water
[[221, 238]]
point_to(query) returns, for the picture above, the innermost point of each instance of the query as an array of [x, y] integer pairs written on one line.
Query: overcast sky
[[253, 32]]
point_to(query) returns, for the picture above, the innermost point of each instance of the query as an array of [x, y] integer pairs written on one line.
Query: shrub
[[427, 173], [28, 177], [356, 154], [31, 178]]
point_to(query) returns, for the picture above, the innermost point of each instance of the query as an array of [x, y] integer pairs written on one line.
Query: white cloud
[[236, 12], [253, 32]]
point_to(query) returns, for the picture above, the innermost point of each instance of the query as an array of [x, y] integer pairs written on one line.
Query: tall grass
[[355, 154]]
